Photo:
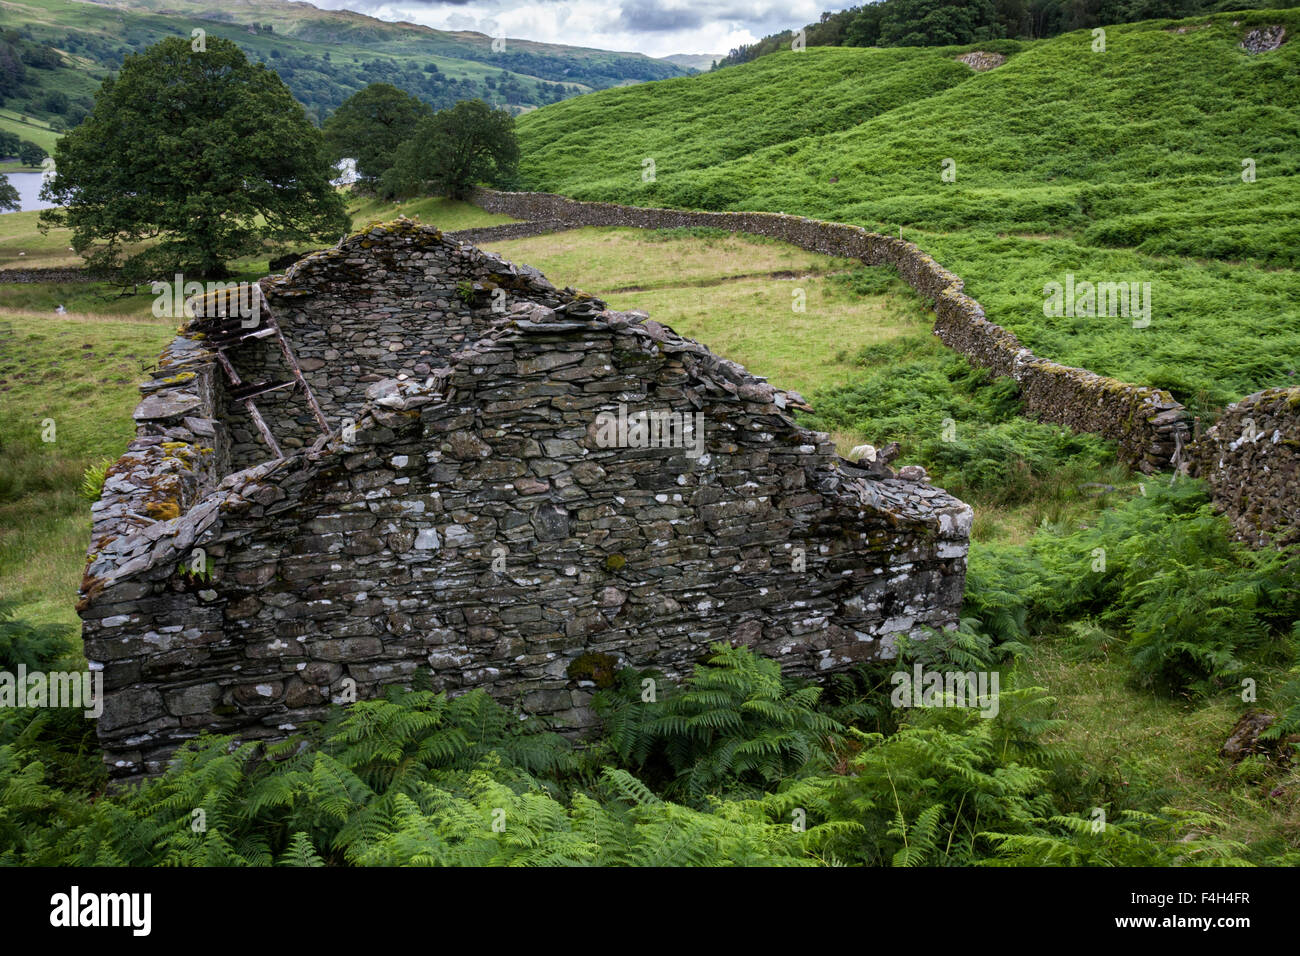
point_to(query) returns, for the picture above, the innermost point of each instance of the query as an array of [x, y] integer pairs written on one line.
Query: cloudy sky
[[653, 27]]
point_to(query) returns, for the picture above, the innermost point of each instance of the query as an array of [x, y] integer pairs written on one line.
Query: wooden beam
[[293, 363], [253, 413]]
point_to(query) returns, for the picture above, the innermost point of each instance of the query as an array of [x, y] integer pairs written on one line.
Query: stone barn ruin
[[420, 456]]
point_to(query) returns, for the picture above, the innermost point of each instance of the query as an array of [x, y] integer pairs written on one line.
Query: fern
[[300, 852], [736, 726], [1169, 838], [92, 480], [37, 647], [1160, 579]]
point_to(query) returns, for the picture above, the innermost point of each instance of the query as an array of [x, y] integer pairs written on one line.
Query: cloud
[[652, 27], [651, 17]]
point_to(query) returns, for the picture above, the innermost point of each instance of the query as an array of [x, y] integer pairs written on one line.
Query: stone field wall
[[1148, 425]]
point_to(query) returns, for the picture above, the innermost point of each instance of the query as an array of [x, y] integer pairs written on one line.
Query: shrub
[[1162, 573], [735, 726]]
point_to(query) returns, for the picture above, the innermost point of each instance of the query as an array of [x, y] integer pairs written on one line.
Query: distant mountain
[[694, 61], [324, 56]]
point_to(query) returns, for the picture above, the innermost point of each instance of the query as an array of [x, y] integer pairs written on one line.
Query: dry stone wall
[[474, 516], [1148, 425], [510, 230]]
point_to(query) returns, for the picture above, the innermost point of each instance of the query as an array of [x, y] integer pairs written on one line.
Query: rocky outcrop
[[1264, 39], [980, 61], [490, 505]]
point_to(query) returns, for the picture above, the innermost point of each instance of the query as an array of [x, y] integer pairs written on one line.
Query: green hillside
[[1122, 165], [324, 56]]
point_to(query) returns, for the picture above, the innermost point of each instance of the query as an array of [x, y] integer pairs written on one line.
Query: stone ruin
[[412, 461]]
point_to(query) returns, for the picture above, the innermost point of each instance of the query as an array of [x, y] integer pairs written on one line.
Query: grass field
[[30, 128], [81, 374], [1161, 752], [734, 294], [1123, 165]]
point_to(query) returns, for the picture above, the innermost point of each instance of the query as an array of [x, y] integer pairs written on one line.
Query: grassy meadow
[[734, 293], [79, 372], [1122, 165]]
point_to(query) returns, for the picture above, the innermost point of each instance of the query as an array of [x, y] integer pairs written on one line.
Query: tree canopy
[[371, 124], [29, 154], [952, 22], [455, 149], [199, 155]]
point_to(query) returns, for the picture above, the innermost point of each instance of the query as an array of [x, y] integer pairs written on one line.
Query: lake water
[[29, 185], [29, 188]]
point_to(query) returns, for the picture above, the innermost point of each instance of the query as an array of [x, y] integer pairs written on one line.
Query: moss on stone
[[162, 510], [600, 669]]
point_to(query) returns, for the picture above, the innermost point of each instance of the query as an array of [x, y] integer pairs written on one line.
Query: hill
[[1122, 165], [693, 61], [324, 56]]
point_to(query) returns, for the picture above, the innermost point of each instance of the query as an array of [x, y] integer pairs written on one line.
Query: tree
[[56, 101], [41, 56], [938, 22], [456, 148], [12, 72], [9, 199], [29, 154], [201, 155], [9, 143], [371, 124]]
